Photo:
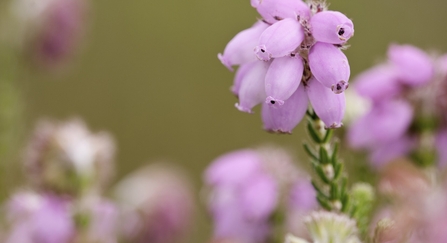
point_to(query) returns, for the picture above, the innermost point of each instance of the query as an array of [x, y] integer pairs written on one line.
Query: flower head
[[68, 158], [298, 47]]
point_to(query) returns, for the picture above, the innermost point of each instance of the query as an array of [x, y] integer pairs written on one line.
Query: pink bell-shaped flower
[[276, 10], [283, 78], [252, 89], [279, 40], [329, 106], [414, 67], [240, 49], [329, 66], [282, 119], [331, 27], [378, 83], [386, 122]]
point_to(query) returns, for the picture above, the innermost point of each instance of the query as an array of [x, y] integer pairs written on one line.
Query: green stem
[[330, 183]]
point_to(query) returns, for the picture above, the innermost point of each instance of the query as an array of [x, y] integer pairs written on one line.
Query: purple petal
[[387, 152], [240, 74], [378, 83], [384, 123], [275, 10], [52, 223], [441, 147], [330, 107], [259, 197], [330, 66], [240, 49], [252, 87], [232, 225], [414, 67], [280, 39], [283, 78], [233, 167], [254, 3], [284, 118], [331, 27]]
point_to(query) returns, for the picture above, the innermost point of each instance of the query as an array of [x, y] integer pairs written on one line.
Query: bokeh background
[[147, 72]]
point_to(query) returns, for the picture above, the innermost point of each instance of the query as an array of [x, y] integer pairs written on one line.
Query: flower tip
[[334, 126], [225, 61], [261, 53], [274, 102], [278, 131], [243, 109], [345, 31], [254, 3], [340, 87]]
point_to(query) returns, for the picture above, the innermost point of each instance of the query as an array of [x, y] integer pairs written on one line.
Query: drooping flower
[[297, 45]]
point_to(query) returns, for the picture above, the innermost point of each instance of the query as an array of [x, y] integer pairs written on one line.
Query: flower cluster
[[293, 54], [48, 30], [68, 167], [407, 106], [247, 188]]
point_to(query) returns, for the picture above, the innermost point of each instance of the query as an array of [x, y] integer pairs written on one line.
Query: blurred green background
[[148, 73]]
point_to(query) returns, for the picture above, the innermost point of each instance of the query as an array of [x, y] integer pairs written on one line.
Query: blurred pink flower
[[157, 203]]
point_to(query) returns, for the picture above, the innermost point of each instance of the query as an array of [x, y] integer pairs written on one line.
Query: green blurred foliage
[[147, 72]]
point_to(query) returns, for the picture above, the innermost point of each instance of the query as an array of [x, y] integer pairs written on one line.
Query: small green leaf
[[334, 154], [310, 152], [328, 135], [324, 157], [321, 174], [316, 187], [338, 171], [334, 191], [345, 201], [325, 204], [313, 134]]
